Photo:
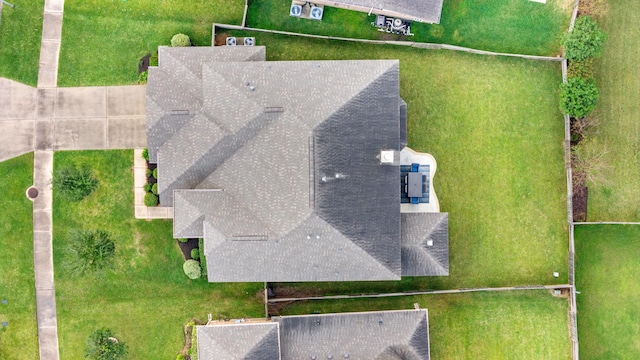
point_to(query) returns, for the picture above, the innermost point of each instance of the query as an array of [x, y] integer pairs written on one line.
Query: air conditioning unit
[[231, 41], [296, 10], [316, 13], [249, 41]]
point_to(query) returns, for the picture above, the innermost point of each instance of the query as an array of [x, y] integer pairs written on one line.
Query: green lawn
[[505, 325], [618, 111], [17, 283], [516, 26], [147, 299], [102, 41], [607, 273], [20, 33], [494, 126]]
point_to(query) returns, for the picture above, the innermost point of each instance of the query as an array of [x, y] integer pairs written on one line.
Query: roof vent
[[231, 41], [249, 41], [429, 242], [296, 10], [387, 157], [316, 13]]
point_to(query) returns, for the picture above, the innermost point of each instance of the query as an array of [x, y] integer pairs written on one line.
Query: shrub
[[581, 68], [149, 172], [90, 251], [203, 259], [74, 183], [147, 187], [578, 97], [102, 345], [180, 40], [183, 240], [155, 173], [192, 269], [195, 254], [180, 357], [145, 154], [151, 199], [584, 41], [154, 189], [142, 79]]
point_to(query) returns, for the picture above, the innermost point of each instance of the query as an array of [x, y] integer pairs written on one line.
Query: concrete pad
[[41, 220], [139, 177], [46, 308], [41, 241], [44, 134], [48, 65], [46, 103], [126, 100], [81, 102], [44, 275], [158, 213], [16, 138], [80, 134], [138, 194], [138, 160], [48, 343], [54, 5], [126, 133], [17, 101], [52, 26], [140, 212]]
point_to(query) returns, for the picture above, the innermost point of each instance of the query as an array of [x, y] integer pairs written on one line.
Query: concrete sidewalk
[[83, 118]]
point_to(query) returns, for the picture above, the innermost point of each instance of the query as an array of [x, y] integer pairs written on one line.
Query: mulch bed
[[280, 290], [143, 64], [186, 247]]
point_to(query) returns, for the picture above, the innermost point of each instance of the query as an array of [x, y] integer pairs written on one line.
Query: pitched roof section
[[425, 244], [382, 335], [239, 341], [421, 10]]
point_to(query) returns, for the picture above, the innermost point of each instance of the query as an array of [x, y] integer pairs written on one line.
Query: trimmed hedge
[[180, 40], [578, 97], [192, 269], [151, 199], [195, 254], [154, 189], [584, 41]]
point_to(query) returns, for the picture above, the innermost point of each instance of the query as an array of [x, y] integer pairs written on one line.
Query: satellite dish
[[249, 41], [316, 13], [231, 41], [296, 10], [397, 22]]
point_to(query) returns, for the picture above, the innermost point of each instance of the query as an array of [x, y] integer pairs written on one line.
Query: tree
[[578, 97], [102, 345], [90, 251], [584, 41], [74, 183]]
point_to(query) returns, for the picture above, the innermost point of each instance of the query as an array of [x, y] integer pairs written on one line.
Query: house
[[383, 335], [291, 170], [426, 11]]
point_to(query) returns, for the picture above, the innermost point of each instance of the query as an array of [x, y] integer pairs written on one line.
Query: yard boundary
[[607, 223], [414, 44], [425, 292]]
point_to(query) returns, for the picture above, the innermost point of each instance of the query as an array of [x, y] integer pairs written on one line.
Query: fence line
[[388, 42], [244, 17], [426, 292], [607, 223]]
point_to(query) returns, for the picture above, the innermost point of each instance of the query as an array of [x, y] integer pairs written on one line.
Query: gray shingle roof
[[427, 10], [262, 135], [418, 231], [368, 335], [239, 341]]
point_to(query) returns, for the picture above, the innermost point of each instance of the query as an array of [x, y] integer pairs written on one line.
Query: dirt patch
[[143, 64], [220, 39], [580, 198], [186, 247], [279, 290]]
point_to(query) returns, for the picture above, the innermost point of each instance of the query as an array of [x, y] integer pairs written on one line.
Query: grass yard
[[516, 26], [504, 325], [607, 272], [494, 126], [147, 298], [102, 41], [20, 33], [19, 340], [618, 110]]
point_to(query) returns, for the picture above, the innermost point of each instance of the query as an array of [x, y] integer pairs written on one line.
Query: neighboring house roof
[[419, 10], [425, 244], [239, 341], [380, 335], [276, 164]]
